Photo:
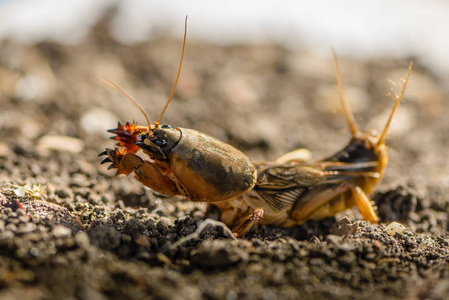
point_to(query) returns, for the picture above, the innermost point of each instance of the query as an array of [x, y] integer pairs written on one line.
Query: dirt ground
[[70, 229]]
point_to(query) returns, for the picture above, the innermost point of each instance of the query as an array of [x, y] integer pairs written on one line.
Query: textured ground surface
[[70, 229]]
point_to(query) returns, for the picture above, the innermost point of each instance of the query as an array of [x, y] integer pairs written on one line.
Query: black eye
[[160, 142], [166, 126]]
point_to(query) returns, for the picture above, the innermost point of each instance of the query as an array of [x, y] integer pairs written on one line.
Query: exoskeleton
[[292, 190]]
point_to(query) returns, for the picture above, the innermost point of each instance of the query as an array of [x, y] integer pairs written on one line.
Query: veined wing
[[281, 186]]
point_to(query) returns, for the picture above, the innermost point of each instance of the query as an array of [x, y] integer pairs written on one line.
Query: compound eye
[[160, 142], [166, 126], [143, 136]]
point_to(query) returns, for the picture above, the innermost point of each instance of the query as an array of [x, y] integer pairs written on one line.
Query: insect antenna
[[130, 98], [384, 133], [156, 124], [347, 110]]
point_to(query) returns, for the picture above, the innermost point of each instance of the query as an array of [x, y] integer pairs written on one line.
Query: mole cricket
[[285, 192]]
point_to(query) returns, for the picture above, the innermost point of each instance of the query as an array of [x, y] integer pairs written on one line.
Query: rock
[[60, 231], [4, 150], [97, 121], [394, 228]]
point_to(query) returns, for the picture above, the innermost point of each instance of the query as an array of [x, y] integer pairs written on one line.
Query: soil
[[70, 229]]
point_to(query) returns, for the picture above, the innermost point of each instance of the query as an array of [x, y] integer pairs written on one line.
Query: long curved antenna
[[383, 136], [344, 103], [130, 98], [156, 124]]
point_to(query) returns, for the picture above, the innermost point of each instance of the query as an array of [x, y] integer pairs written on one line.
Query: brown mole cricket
[[285, 192], [291, 190]]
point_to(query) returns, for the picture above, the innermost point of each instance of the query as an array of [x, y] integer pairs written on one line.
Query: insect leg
[[313, 203], [364, 204], [149, 175], [296, 156], [249, 222], [146, 172], [119, 159]]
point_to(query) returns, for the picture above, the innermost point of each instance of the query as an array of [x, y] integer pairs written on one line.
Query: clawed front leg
[[123, 162], [146, 172]]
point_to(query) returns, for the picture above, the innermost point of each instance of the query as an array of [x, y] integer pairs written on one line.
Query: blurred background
[[365, 29], [256, 74]]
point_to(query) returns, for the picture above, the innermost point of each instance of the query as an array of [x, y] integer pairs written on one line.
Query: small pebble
[[20, 192], [143, 241], [394, 228], [82, 239], [60, 231], [4, 150], [27, 228]]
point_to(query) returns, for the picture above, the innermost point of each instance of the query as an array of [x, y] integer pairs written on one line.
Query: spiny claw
[[114, 157], [128, 127], [119, 127], [106, 160]]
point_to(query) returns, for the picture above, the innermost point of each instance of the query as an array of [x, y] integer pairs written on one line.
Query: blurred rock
[[60, 143], [403, 121], [4, 150], [97, 121], [60, 231], [327, 99]]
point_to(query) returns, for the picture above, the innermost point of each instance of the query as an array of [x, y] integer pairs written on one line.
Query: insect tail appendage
[[398, 98], [344, 102]]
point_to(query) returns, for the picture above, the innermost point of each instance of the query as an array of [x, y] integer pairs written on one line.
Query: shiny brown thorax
[[208, 169]]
